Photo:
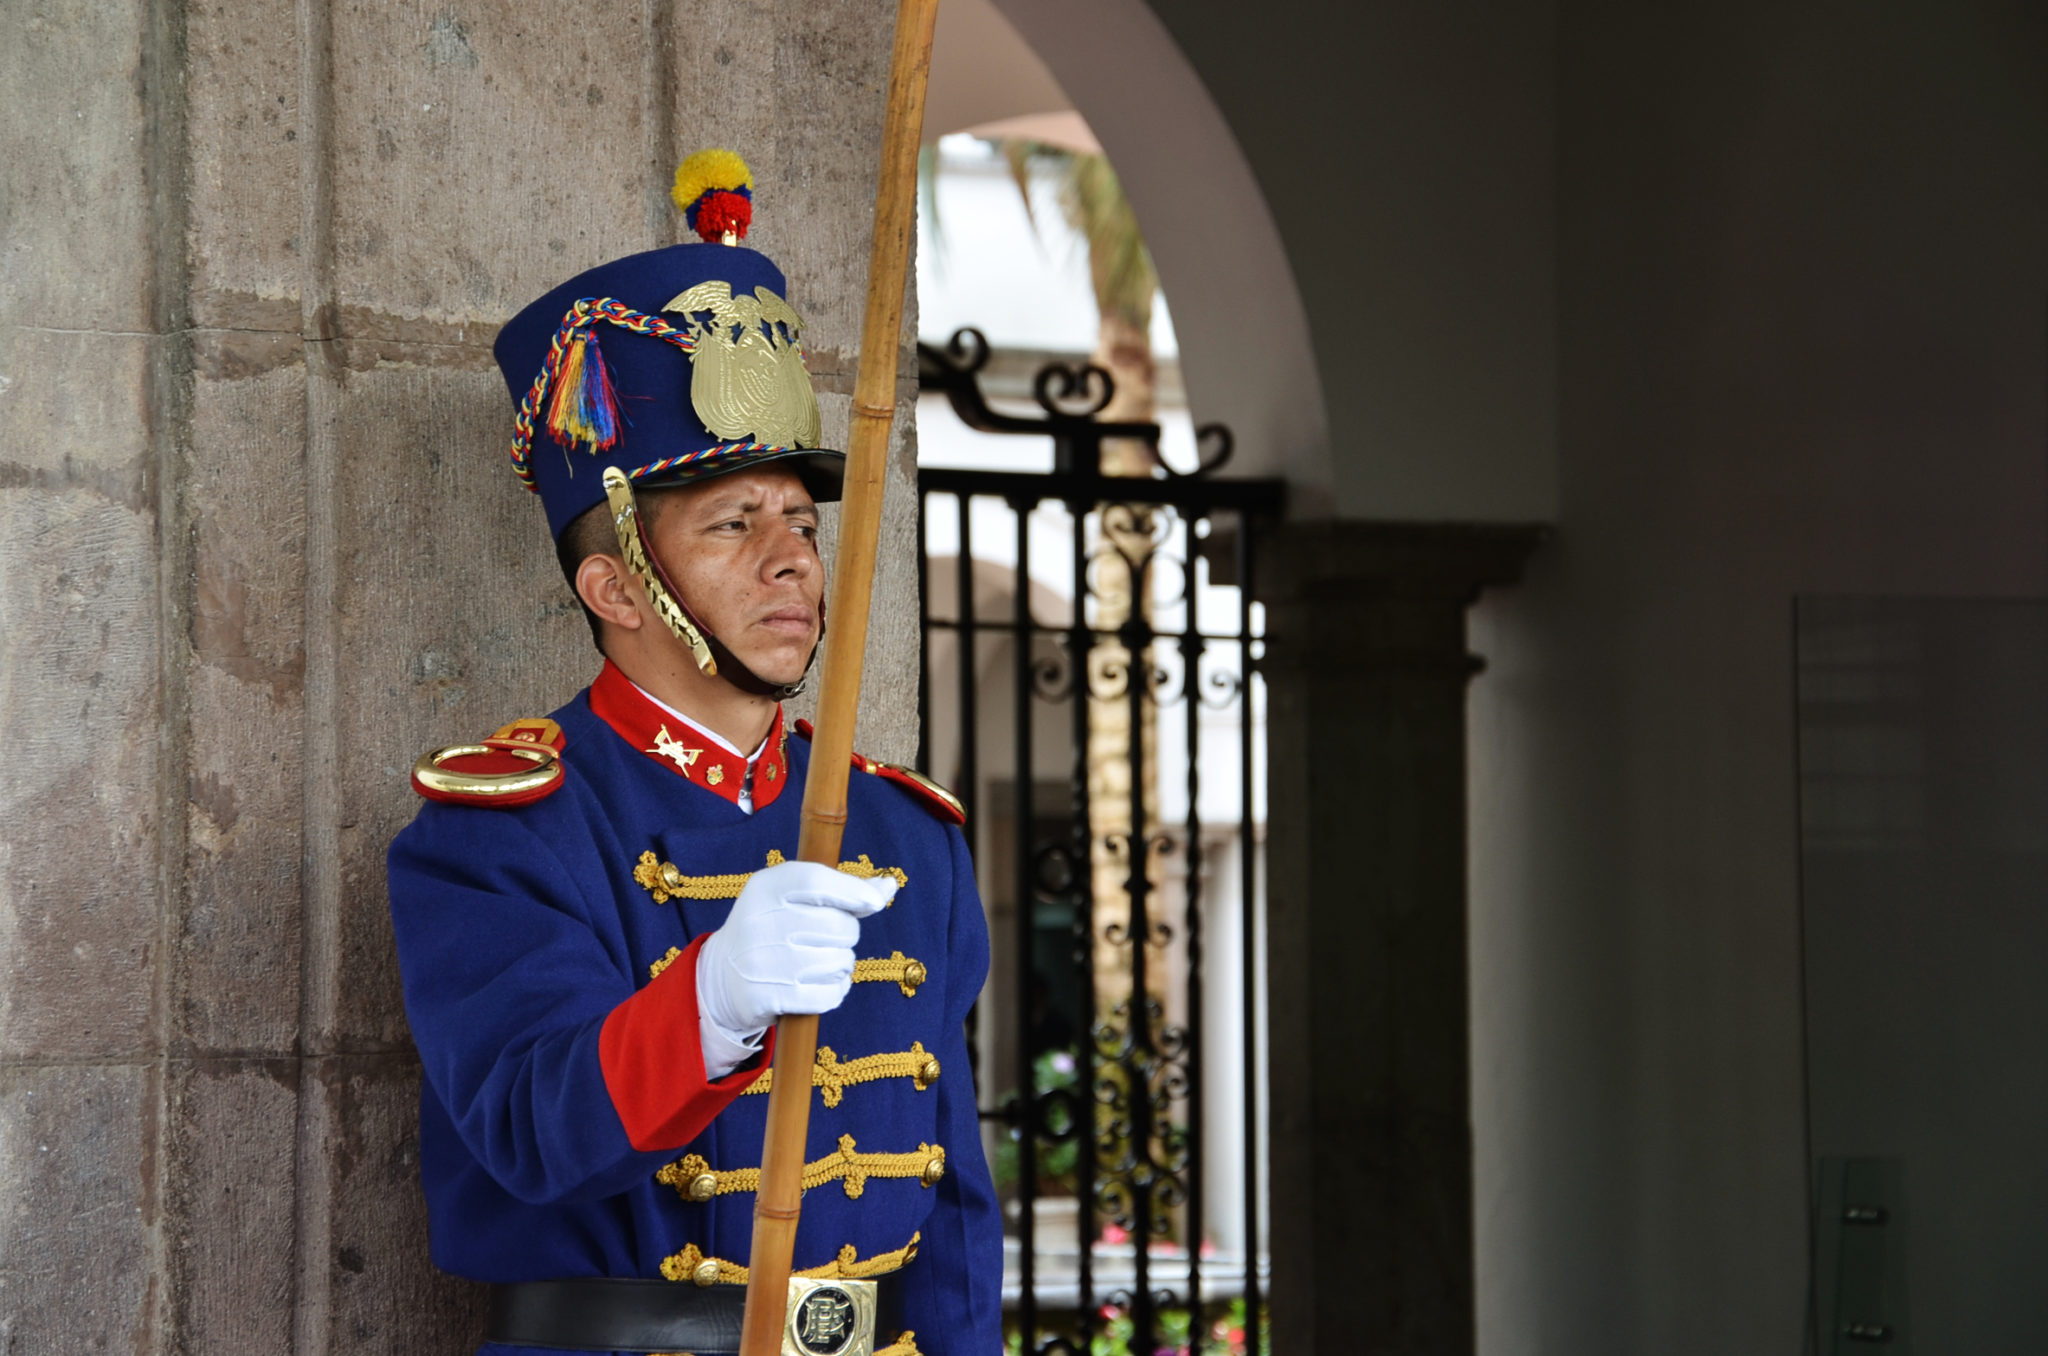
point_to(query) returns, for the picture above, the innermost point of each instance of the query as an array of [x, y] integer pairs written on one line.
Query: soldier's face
[[743, 551]]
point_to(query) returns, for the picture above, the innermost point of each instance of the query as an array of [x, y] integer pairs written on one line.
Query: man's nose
[[791, 556]]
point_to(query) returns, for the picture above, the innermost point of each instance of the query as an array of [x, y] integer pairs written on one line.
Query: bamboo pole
[[777, 1202]]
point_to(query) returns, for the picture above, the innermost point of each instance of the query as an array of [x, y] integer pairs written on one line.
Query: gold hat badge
[[747, 378]]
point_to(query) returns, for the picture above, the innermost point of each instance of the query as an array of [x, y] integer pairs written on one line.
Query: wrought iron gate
[[1101, 1027]]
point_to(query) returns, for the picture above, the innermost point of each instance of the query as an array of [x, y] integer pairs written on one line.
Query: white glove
[[787, 947]]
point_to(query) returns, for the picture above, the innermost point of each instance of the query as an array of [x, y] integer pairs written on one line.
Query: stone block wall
[[259, 547]]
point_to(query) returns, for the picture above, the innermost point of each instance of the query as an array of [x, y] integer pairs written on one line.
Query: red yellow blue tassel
[[584, 407]]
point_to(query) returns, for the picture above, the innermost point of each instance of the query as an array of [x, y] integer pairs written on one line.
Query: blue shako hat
[[674, 365]]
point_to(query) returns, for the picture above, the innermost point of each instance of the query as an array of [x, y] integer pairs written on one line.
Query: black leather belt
[[599, 1314]]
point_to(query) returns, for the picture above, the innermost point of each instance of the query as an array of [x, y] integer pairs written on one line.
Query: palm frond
[[1019, 156], [1092, 200], [1119, 265]]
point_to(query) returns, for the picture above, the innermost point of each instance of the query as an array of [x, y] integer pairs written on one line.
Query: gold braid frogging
[[832, 1078], [847, 1266], [905, 972], [847, 1166], [664, 882]]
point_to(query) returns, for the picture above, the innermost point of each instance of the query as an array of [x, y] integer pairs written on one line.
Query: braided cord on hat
[[581, 318], [715, 452]]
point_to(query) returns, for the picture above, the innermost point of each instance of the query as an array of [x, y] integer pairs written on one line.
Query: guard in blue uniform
[[595, 919]]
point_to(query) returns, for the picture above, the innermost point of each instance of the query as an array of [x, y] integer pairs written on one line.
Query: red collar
[[684, 749]]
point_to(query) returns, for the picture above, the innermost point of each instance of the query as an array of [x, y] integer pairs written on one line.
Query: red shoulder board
[[942, 803], [518, 765]]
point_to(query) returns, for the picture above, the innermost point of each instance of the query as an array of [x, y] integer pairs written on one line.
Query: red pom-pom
[[719, 211]]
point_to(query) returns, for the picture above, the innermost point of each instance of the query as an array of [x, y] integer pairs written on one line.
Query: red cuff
[[653, 1061]]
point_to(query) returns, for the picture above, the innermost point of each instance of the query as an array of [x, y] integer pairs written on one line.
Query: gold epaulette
[[942, 803], [520, 764]]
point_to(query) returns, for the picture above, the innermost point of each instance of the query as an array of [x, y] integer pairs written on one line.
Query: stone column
[[1371, 1158], [259, 547]]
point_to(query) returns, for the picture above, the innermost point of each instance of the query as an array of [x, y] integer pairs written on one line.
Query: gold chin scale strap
[[626, 523]]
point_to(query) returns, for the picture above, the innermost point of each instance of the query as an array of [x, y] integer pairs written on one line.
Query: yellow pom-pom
[[708, 170]]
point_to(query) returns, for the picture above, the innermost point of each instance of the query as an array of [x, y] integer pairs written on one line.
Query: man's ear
[[606, 589]]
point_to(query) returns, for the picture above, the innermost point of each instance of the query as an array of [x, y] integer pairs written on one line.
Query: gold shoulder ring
[[432, 775]]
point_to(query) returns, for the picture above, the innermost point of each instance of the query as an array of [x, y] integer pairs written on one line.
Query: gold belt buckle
[[829, 1318]]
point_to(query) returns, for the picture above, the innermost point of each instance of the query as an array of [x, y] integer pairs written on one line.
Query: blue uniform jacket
[[567, 1126]]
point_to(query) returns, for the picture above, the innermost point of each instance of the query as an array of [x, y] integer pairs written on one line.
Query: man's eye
[[808, 531]]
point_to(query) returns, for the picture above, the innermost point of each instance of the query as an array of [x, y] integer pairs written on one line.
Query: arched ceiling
[[986, 80], [1088, 73]]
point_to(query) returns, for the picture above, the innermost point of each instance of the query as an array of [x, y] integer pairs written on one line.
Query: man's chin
[[779, 665]]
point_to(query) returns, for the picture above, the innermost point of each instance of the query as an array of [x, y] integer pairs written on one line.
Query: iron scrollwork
[[1130, 1121]]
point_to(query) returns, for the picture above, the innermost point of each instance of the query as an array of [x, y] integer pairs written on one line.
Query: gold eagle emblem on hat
[[747, 377]]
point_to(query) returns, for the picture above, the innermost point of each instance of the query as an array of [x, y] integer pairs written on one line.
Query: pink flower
[[1115, 1233]]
